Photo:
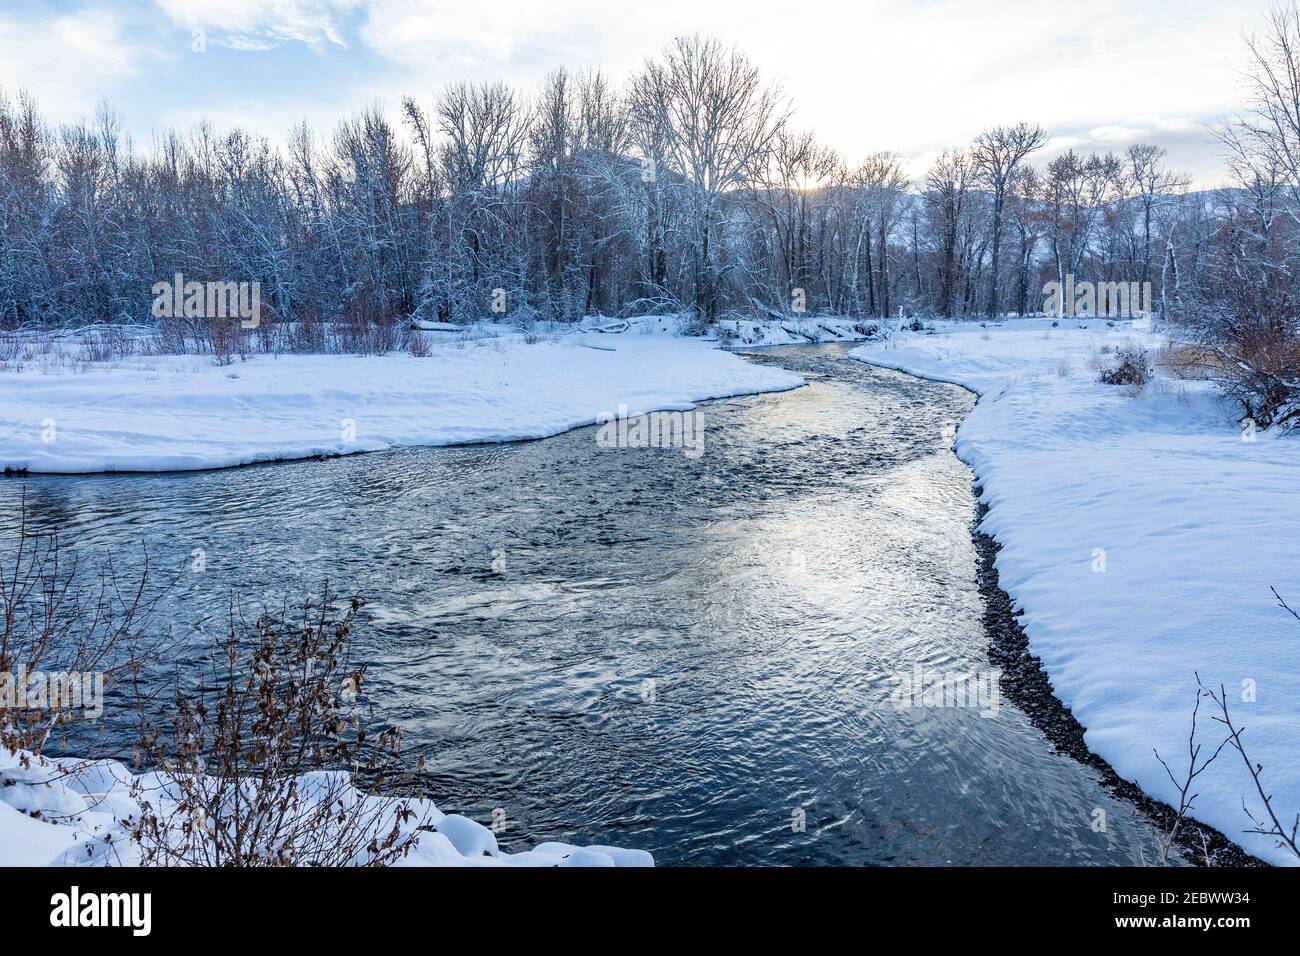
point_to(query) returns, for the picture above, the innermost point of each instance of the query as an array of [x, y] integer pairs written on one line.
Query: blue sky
[[913, 77]]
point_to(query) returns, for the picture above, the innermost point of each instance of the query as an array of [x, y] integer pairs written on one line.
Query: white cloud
[[67, 61], [1117, 135], [261, 24], [879, 74]]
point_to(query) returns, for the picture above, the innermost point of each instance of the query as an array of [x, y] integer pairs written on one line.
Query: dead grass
[[1189, 362]]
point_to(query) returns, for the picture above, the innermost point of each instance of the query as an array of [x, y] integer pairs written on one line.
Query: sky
[[913, 77]]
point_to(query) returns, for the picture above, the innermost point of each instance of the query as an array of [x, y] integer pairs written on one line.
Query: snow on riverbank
[[81, 806], [1193, 525], [175, 413]]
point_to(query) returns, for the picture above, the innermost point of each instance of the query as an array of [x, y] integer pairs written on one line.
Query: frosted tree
[[708, 113], [948, 184], [997, 155]]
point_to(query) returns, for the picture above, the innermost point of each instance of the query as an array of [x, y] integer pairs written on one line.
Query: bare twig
[[1271, 826], [1186, 799]]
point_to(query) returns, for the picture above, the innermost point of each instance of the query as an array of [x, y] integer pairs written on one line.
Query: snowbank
[[79, 806], [176, 413], [1140, 537]]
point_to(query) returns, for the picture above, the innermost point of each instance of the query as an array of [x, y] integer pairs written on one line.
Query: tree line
[[688, 188]]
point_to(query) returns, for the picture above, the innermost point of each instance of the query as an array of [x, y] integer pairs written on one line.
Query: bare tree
[[1155, 185], [1183, 784], [1267, 823], [997, 155], [709, 112], [948, 184]]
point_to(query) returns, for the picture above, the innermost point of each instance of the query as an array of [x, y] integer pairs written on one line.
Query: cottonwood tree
[[948, 184], [798, 167], [1155, 184], [484, 129], [708, 113], [997, 155], [880, 183], [1252, 301]]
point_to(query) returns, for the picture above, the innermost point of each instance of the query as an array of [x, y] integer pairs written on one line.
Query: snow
[[177, 413], [425, 325], [82, 806], [1195, 524]]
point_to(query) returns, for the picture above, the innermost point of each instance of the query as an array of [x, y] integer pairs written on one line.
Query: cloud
[[69, 60], [878, 74], [1119, 135], [262, 24]]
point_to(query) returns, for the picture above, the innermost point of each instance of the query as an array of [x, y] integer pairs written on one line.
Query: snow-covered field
[[82, 806], [1140, 536], [174, 413]]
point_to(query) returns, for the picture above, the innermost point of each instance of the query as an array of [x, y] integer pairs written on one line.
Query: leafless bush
[[228, 341], [58, 618], [419, 346], [1131, 368], [370, 329], [251, 763], [1249, 345], [1259, 367], [105, 344]]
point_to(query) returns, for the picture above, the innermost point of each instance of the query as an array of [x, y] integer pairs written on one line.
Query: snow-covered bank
[[80, 807], [175, 413], [1140, 537]]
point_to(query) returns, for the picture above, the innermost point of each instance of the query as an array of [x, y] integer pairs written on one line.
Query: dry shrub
[[57, 617], [255, 763], [1260, 369], [104, 344], [306, 335], [419, 346], [254, 758], [370, 328], [1131, 368], [1251, 346], [229, 340], [1185, 360]]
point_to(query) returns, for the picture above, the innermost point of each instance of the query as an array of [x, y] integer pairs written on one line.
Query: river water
[[695, 656]]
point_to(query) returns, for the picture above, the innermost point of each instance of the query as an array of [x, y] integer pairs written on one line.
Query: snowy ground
[[1195, 524], [81, 806], [174, 413]]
